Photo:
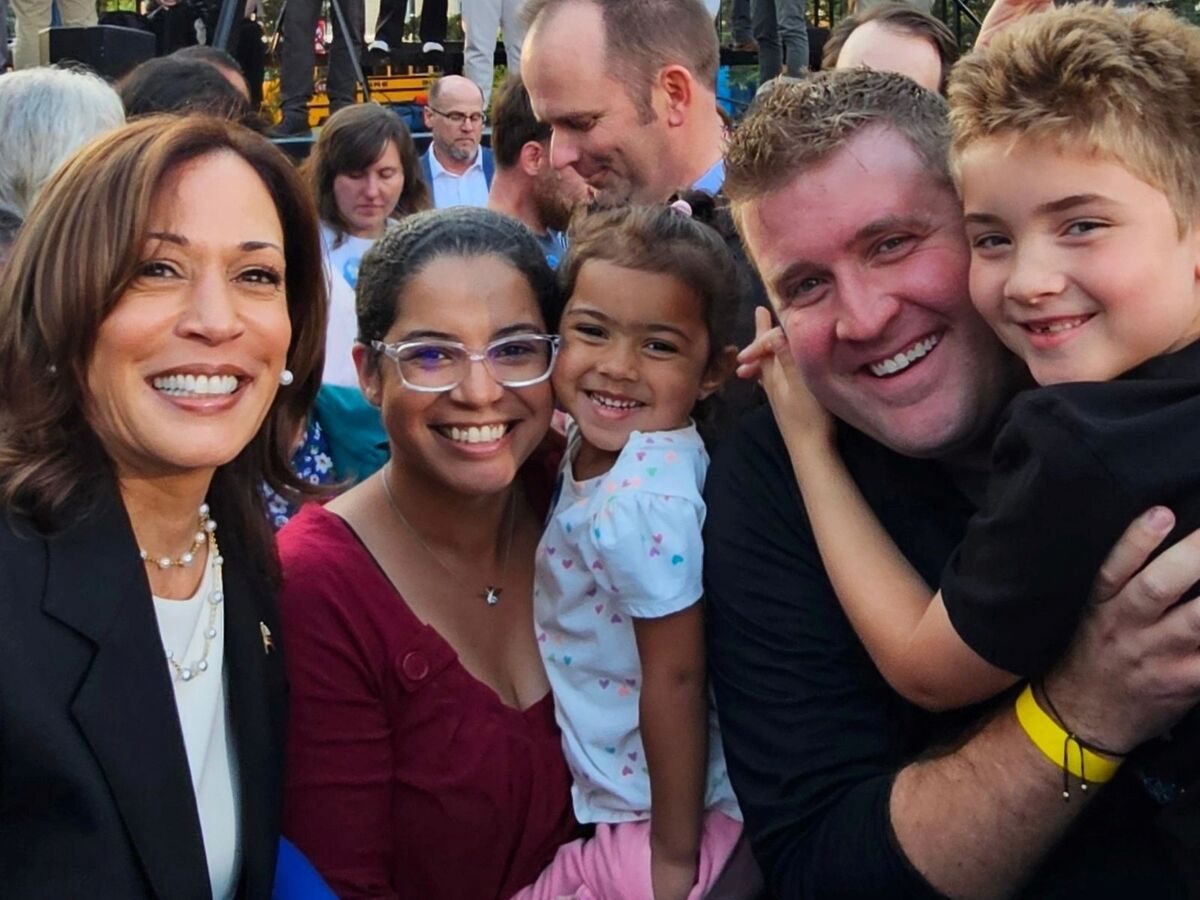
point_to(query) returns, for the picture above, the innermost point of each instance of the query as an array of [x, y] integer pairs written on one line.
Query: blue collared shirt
[[713, 180]]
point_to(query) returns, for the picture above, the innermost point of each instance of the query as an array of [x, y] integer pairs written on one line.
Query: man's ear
[[679, 89], [428, 117], [366, 363], [533, 157], [719, 369]]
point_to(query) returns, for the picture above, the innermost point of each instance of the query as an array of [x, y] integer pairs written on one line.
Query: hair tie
[[682, 207]]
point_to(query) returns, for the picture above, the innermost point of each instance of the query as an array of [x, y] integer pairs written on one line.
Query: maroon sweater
[[406, 776]]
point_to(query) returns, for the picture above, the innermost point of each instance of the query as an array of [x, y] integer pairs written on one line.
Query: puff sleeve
[[650, 548]]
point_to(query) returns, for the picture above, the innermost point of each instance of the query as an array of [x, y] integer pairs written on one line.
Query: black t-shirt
[[1072, 466], [813, 735]]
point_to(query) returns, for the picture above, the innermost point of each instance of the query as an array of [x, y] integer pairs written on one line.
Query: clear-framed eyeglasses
[[517, 361]]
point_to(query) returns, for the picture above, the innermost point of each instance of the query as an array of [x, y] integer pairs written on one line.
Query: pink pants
[[615, 865]]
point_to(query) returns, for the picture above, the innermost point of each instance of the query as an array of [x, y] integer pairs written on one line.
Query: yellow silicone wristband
[[1060, 747]]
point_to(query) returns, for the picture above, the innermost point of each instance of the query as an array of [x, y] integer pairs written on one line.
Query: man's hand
[[1004, 13], [976, 821], [769, 359], [1133, 669]]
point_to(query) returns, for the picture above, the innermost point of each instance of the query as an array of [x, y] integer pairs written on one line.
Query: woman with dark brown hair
[[423, 758], [363, 173], [164, 286]]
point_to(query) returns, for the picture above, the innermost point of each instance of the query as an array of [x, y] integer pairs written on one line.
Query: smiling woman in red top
[[424, 760]]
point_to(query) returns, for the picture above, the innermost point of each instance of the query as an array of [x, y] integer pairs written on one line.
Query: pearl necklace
[[205, 528], [216, 592]]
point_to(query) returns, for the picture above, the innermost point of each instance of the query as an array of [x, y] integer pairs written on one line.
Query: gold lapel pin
[[268, 642]]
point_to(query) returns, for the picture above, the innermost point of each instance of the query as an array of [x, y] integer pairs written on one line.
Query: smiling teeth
[[196, 385], [614, 404], [904, 359], [1056, 327], [482, 434]]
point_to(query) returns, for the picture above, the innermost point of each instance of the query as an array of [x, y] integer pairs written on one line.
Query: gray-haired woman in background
[[47, 114]]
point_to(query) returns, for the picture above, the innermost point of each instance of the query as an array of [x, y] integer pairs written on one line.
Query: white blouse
[[203, 718]]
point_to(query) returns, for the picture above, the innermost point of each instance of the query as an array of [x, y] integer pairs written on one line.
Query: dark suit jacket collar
[[256, 691], [125, 705]]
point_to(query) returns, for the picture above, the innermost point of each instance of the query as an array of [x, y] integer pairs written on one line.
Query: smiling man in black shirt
[[840, 191]]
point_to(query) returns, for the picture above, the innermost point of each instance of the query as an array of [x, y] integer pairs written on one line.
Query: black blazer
[[95, 793]]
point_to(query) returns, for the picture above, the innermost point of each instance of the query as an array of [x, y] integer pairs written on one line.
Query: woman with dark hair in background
[[163, 287], [367, 143], [423, 757], [364, 174]]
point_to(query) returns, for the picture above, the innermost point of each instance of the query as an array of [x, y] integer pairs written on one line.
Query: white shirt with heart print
[[620, 546]]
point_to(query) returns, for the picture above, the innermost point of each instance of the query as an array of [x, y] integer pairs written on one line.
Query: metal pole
[[229, 13]]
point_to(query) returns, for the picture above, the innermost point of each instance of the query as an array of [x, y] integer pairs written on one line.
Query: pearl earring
[[286, 377]]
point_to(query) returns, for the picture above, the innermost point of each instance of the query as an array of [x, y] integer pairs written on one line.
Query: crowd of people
[[641, 506]]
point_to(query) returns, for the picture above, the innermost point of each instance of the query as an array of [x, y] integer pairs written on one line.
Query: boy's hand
[[670, 880], [751, 357], [800, 417]]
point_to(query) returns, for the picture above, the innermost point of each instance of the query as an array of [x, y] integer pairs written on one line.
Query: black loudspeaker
[[109, 50]]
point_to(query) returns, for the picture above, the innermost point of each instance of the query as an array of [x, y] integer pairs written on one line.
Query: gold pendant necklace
[[491, 593]]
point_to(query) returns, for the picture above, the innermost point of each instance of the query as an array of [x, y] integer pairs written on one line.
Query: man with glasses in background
[[457, 169]]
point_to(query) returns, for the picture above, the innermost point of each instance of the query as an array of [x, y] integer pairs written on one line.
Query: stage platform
[[409, 56]]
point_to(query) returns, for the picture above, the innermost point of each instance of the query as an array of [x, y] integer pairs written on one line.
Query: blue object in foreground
[[295, 878]]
